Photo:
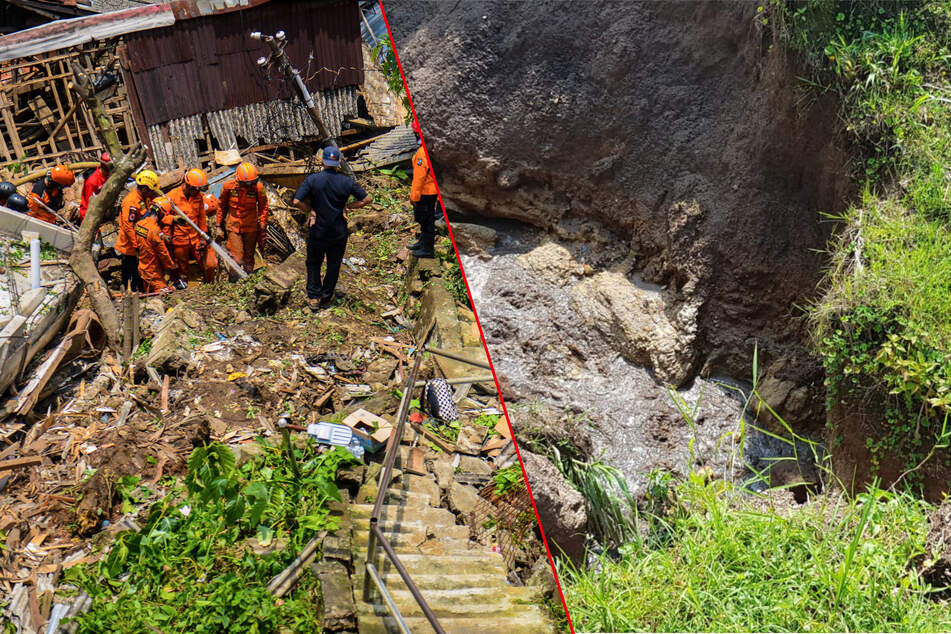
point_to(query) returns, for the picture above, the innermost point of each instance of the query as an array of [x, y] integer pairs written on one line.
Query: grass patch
[[732, 563], [883, 323]]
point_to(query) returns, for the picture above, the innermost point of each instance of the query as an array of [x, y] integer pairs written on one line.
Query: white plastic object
[[35, 263]]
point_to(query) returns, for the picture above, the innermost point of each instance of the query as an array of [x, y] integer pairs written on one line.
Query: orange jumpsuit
[[423, 182], [186, 243], [52, 196], [133, 207], [154, 258], [246, 212]]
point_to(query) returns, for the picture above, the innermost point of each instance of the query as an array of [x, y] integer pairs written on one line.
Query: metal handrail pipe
[[404, 574], [390, 604], [458, 357]]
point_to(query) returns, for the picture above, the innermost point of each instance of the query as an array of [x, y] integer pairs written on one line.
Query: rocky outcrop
[[671, 135], [561, 508], [637, 317], [473, 239]]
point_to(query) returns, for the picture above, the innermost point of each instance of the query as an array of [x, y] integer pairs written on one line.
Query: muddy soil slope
[[632, 109]]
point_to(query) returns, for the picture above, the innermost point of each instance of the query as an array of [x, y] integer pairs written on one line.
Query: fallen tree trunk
[[81, 260], [101, 208]]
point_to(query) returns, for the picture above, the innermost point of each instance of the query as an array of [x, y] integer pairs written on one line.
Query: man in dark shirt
[[323, 196]]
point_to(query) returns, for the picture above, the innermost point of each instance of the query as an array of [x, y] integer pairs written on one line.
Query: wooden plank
[[65, 113], [16, 463], [437, 440], [26, 85], [5, 107], [4, 148], [32, 61]]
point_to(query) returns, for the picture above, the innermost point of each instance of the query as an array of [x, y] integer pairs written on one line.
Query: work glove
[[180, 284]]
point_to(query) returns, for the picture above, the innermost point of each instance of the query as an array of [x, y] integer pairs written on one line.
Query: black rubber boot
[[423, 252]]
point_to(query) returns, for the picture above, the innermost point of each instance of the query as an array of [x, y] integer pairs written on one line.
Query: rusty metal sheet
[[65, 33], [223, 72]]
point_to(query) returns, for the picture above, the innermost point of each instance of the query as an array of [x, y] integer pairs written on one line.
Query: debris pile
[[214, 364]]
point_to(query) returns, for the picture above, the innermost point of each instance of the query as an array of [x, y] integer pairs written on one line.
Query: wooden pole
[[293, 76]]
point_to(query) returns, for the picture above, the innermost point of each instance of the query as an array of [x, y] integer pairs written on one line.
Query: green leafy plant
[[394, 172], [190, 567], [508, 479], [383, 52]]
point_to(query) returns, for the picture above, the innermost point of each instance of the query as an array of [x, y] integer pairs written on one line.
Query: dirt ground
[[112, 438]]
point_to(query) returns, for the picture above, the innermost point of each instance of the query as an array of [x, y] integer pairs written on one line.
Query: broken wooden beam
[[16, 463]]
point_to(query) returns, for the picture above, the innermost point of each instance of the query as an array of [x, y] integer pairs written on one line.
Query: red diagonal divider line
[[475, 311]]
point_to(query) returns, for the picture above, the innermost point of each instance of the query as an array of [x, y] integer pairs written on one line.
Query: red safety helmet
[[62, 176], [246, 173], [196, 178], [105, 159]]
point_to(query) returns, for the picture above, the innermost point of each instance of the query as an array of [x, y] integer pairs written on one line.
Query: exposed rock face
[[560, 507], [636, 317], [473, 239], [666, 132]]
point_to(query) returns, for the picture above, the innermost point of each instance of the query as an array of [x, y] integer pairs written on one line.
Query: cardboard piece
[[493, 443], [369, 427], [417, 461]]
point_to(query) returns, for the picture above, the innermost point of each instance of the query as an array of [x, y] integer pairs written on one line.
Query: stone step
[[412, 537], [492, 608], [401, 497], [463, 562], [391, 525], [419, 484], [425, 485], [455, 600], [426, 514], [401, 541], [531, 622], [392, 580]]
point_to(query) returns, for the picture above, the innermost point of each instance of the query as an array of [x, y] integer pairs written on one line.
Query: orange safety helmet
[[162, 206], [62, 176], [196, 178], [246, 173]]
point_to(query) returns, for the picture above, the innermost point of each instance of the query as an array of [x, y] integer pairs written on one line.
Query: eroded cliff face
[[671, 141]]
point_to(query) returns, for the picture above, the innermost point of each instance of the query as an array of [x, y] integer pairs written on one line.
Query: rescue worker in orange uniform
[[134, 206], [243, 214], [186, 243], [423, 196], [151, 240], [93, 184], [49, 191]]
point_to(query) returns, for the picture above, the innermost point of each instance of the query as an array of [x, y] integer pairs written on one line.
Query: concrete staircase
[[462, 581]]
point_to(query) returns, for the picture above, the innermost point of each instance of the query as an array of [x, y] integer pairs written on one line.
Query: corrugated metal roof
[[73, 32], [209, 64], [76, 31], [269, 122]]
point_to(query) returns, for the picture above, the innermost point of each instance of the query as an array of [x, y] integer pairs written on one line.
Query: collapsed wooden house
[[183, 79]]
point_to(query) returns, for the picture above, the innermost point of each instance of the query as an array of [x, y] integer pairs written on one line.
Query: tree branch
[[81, 260], [101, 209]]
